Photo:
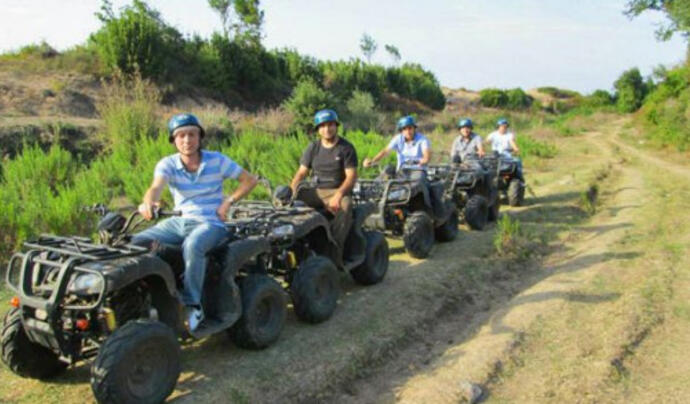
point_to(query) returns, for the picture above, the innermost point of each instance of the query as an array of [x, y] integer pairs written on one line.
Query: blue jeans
[[196, 239]]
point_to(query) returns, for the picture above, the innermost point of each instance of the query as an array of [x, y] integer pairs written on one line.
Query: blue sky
[[582, 45]]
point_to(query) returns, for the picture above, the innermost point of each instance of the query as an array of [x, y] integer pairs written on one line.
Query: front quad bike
[[117, 304], [471, 187], [303, 253], [507, 181], [418, 212]]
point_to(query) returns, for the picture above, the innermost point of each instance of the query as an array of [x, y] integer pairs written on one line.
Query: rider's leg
[[201, 239], [169, 231], [342, 220]]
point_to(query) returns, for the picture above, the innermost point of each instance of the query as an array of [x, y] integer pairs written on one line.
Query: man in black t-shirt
[[333, 164]]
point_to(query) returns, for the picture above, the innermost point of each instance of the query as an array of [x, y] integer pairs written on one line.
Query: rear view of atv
[[116, 304], [509, 185], [305, 256], [472, 189], [418, 211]]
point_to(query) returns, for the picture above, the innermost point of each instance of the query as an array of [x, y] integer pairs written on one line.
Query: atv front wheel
[[375, 264], [315, 289], [23, 357], [516, 192], [418, 234], [138, 363], [448, 231], [476, 212], [264, 309]]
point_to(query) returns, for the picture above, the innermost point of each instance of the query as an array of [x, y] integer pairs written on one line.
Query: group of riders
[[195, 178]]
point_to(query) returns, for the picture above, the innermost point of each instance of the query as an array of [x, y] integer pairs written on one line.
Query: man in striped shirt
[[195, 179]]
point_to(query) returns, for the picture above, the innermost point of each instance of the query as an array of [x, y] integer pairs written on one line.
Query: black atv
[[472, 188], [418, 211], [509, 185], [117, 303], [307, 257]]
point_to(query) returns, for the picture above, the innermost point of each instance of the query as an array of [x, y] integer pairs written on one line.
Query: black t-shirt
[[328, 164]]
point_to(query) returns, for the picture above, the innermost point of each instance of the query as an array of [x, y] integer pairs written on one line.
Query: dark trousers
[[342, 219]]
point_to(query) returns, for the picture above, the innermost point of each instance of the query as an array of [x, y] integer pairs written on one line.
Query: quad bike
[[472, 188], [418, 211], [307, 258], [509, 185], [117, 304]]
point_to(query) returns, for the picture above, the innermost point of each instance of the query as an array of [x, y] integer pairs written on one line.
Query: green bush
[[599, 98], [493, 98], [307, 98], [361, 112], [515, 99], [136, 40], [518, 99], [558, 92], [630, 90]]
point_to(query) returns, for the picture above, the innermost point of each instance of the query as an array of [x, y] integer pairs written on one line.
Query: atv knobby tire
[[448, 231], [495, 208], [516, 192], [23, 357], [375, 264], [315, 289], [418, 234], [264, 309], [138, 363], [477, 212]]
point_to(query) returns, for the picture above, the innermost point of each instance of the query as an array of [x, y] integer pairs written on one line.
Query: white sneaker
[[195, 316]]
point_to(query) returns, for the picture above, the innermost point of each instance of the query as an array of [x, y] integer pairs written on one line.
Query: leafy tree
[[222, 7], [630, 90], [307, 98], [250, 20], [677, 11], [394, 53], [368, 46]]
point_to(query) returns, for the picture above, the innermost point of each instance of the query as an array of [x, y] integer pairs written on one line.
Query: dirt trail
[[490, 350]]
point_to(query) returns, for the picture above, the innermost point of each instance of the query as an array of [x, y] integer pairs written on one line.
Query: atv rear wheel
[[418, 234], [448, 231], [264, 309], [138, 363], [477, 212], [375, 265], [315, 289], [23, 357], [516, 192]]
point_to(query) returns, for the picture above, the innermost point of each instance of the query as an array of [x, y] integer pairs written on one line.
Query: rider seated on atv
[[195, 179], [413, 149], [333, 164], [467, 144], [503, 143]]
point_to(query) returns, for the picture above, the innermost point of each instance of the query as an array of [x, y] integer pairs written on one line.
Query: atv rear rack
[[82, 247]]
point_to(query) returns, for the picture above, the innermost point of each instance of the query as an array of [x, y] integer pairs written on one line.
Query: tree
[[677, 11], [247, 16], [368, 46], [394, 53], [630, 90], [222, 7], [250, 20]]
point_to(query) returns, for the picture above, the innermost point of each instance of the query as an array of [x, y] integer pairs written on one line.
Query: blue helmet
[[502, 121], [181, 120], [406, 121], [325, 116], [465, 122]]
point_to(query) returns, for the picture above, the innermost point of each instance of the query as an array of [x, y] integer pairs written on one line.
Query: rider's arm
[[153, 194], [426, 154], [513, 144], [247, 183], [349, 182], [302, 172], [382, 154], [480, 149]]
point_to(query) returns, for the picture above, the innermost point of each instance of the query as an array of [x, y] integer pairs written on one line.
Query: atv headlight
[[86, 284], [398, 194], [286, 230]]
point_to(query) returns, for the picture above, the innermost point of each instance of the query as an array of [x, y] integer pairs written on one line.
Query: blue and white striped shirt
[[198, 195]]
